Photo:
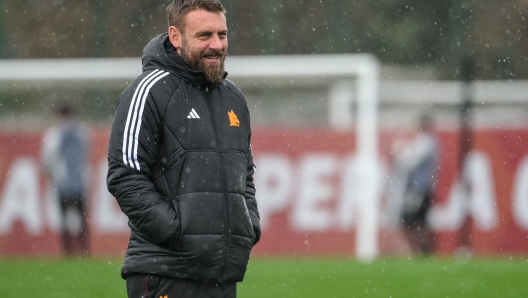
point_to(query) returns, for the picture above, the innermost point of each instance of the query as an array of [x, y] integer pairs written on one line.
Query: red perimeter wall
[[306, 187]]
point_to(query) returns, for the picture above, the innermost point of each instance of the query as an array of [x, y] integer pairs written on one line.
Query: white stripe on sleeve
[[135, 117], [140, 115], [132, 103]]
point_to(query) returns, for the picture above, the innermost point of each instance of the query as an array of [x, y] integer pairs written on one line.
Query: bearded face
[[202, 42], [199, 61]]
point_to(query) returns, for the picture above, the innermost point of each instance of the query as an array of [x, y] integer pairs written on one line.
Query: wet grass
[[387, 277], [287, 277], [74, 277]]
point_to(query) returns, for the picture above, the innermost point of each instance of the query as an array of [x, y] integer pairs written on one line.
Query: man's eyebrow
[[208, 32], [203, 32]]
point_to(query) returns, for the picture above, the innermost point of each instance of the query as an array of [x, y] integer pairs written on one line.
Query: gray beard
[[214, 72]]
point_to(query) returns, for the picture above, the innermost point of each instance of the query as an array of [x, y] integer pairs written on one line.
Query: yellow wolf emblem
[[233, 119]]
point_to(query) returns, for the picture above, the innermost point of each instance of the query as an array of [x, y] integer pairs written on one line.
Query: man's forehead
[[199, 19]]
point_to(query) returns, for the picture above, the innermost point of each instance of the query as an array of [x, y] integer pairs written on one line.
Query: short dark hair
[[177, 10], [64, 109]]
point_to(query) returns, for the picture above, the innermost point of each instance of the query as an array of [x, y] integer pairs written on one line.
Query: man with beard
[[180, 163]]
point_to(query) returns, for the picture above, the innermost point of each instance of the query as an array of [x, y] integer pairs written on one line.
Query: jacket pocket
[[176, 246], [239, 219], [166, 231], [252, 228]]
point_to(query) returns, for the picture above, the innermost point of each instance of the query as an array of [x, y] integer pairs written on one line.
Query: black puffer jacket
[[181, 169]]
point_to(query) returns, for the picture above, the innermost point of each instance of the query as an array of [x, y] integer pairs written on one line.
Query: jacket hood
[[161, 54]]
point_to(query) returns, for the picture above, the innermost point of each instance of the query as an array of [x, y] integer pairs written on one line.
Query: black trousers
[[69, 241], [416, 229], [154, 286]]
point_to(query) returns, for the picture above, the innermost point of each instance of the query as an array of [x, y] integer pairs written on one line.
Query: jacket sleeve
[[132, 150], [251, 200]]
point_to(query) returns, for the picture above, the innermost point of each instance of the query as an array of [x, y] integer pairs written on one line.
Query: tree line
[[403, 32]]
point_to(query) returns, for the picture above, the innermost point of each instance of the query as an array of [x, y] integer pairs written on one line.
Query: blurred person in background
[[64, 159], [416, 161], [181, 165]]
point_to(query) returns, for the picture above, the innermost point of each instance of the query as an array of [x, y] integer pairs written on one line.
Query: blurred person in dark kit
[[181, 165], [64, 159], [417, 161]]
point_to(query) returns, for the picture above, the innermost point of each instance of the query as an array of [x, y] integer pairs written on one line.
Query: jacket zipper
[[224, 186]]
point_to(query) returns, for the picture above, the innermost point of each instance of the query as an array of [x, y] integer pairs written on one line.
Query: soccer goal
[[347, 84]]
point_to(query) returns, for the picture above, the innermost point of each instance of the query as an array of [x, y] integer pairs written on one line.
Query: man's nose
[[216, 43]]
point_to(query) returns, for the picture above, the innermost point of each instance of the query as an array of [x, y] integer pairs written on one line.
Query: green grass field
[[287, 277]]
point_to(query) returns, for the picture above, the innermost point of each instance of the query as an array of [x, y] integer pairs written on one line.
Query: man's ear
[[175, 37]]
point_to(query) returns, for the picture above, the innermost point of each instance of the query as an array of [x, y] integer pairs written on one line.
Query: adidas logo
[[193, 114]]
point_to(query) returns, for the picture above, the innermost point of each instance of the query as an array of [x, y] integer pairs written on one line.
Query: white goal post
[[350, 77]]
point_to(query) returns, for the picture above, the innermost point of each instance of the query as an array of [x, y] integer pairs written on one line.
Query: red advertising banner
[[307, 182]]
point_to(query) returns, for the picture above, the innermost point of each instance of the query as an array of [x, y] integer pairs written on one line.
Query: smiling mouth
[[212, 57]]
